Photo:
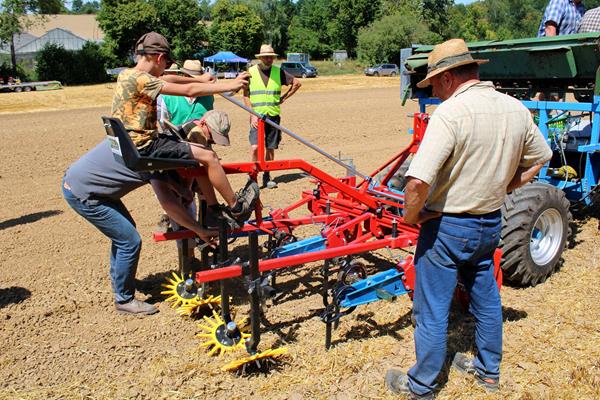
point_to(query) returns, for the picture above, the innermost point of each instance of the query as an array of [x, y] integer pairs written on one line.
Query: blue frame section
[[384, 285], [575, 191], [314, 243]]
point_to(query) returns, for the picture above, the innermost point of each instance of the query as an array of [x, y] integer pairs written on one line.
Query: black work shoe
[[397, 382], [246, 200], [464, 364], [219, 211], [136, 307]]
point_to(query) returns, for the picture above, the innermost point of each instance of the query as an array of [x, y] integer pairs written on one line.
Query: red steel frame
[[355, 214]]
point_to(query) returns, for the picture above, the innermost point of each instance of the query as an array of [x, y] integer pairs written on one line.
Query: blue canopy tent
[[226, 57]]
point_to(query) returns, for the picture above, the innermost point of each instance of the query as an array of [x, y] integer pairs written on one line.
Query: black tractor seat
[[125, 151]]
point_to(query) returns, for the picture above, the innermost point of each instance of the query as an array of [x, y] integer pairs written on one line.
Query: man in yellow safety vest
[[264, 96]]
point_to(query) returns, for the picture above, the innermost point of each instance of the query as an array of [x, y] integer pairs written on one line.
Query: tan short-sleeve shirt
[[134, 103], [474, 143]]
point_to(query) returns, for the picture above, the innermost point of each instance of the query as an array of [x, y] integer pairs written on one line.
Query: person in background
[[264, 96], [590, 22], [561, 17]]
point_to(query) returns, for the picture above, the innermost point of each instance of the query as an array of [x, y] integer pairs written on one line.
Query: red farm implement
[[357, 214]]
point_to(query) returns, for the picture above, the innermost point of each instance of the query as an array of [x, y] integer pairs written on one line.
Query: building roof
[[20, 40], [85, 26], [59, 36]]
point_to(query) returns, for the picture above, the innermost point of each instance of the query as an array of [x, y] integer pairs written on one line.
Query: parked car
[[299, 70], [382, 70]]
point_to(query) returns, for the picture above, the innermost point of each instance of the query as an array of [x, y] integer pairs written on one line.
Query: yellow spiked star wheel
[[176, 291], [237, 364], [219, 343], [192, 308]]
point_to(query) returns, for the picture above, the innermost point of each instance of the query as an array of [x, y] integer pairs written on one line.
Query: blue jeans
[[450, 247], [115, 222]]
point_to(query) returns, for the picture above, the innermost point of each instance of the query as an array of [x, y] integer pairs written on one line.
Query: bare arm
[[253, 118], [416, 194], [295, 86], [175, 209], [550, 28], [523, 176], [199, 89], [204, 78]]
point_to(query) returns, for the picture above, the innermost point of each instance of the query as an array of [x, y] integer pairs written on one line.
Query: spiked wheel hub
[[222, 337], [179, 291]]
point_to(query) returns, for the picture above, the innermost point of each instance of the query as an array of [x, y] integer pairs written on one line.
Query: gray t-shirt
[[98, 177]]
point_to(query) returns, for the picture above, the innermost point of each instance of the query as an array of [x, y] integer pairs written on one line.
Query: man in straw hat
[[264, 96], [479, 145]]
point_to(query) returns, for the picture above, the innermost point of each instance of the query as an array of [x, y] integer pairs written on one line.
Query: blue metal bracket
[[314, 243], [382, 286]]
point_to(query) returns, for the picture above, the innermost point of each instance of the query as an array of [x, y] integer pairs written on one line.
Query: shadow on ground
[[13, 295], [28, 218]]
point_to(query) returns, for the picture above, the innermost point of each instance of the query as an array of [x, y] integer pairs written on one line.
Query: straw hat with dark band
[[192, 67], [445, 56], [266, 51]]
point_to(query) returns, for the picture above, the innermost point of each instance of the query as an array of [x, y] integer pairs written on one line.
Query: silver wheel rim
[[546, 236]]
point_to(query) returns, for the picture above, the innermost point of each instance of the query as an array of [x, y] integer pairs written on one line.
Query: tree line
[[369, 30]]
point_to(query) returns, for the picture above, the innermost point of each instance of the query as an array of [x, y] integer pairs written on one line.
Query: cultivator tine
[[242, 363], [193, 307]]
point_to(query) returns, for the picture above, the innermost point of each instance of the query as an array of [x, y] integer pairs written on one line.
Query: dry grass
[[75, 97]]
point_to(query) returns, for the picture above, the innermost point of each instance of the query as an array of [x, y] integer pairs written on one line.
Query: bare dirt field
[[61, 338]]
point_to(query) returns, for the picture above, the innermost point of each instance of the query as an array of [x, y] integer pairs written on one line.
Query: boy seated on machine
[[134, 103]]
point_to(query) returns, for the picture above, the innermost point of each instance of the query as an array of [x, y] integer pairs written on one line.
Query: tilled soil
[[61, 338]]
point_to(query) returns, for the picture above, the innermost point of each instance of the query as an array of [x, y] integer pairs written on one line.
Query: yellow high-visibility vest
[[265, 99]]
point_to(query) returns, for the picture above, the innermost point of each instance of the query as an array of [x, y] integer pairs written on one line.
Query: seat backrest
[[120, 143], [125, 151]]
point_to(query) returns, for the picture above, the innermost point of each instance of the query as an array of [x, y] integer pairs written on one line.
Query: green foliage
[[24, 73], [236, 27], [308, 32], [435, 13], [350, 16], [178, 22], [382, 40], [71, 67], [79, 7], [329, 68], [276, 16], [125, 21]]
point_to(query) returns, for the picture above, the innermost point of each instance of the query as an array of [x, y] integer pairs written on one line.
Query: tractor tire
[[536, 228]]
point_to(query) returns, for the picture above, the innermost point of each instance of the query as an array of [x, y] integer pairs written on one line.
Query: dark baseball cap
[[153, 43]]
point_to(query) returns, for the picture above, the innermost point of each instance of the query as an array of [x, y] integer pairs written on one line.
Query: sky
[[463, 1]]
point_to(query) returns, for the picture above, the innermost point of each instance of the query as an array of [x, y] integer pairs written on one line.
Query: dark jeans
[[115, 222], [450, 246]]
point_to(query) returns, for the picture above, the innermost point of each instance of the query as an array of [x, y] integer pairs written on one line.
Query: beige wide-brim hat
[[265, 51], [444, 56], [192, 67], [174, 68]]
